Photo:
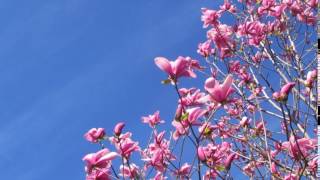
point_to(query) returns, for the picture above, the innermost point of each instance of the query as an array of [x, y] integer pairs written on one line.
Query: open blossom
[[284, 92], [159, 176], [153, 119], [131, 172], [205, 49], [219, 92], [312, 3], [206, 130], [101, 159], [210, 17], [271, 8], [181, 67], [222, 38], [158, 153], [307, 16], [94, 135], [99, 174], [191, 118], [190, 97], [183, 171], [124, 144], [254, 30], [227, 6], [291, 177], [313, 164], [299, 147]]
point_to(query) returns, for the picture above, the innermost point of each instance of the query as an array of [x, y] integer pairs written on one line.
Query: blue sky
[[69, 65]]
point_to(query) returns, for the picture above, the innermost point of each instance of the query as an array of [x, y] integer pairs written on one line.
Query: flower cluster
[[252, 110]]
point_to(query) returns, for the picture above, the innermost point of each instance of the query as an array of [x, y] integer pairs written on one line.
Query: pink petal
[[164, 64]]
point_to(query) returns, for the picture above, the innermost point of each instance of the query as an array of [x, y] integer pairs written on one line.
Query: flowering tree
[[255, 114]]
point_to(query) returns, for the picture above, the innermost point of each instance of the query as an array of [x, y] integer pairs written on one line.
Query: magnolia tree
[[255, 113]]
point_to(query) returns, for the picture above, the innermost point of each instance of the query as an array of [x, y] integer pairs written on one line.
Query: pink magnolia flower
[[234, 66], [295, 7], [219, 92], [272, 9], [245, 121], [131, 172], [206, 130], [191, 118], [127, 146], [222, 38], [210, 17], [291, 177], [181, 67], [311, 76], [284, 92], [94, 135], [312, 3], [229, 160], [205, 49], [255, 30], [183, 171], [159, 176], [99, 174], [287, 88], [153, 119], [101, 159], [273, 168], [299, 147], [190, 97], [124, 144], [118, 128], [313, 164], [307, 16], [227, 6], [214, 155], [158, 153], [210, 175]]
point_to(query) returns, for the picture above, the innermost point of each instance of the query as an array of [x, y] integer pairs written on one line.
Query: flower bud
[[118, 128]]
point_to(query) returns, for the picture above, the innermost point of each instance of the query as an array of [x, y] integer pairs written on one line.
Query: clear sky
[[69, 65]]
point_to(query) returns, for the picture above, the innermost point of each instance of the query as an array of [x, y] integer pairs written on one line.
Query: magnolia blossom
[[190, 118], [205, 49], [299, 147], [99, 174], [183, 171], [118, 128], [271, 8], [311, 77], [222, 38], [131, 172], [291, 177], [254, 30], [94, 135], [190, 97], [227, 6], [158, 153], [101, 159], [219, 92], [210, 17], [181, 67], [124, 144], [153, 119], [206, 130], [215, 155], [307, 16], [159, 176], [284, 92]]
